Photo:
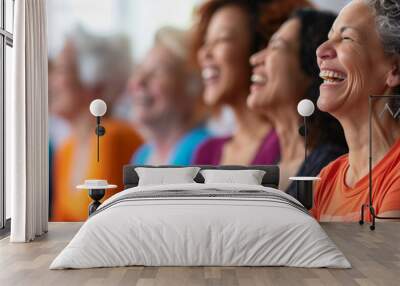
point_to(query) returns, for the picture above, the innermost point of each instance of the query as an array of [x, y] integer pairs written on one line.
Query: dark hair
[[265, 16], [315, 26]]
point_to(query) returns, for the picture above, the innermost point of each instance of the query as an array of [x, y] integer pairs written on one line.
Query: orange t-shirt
[[335, 201], [70, 168]]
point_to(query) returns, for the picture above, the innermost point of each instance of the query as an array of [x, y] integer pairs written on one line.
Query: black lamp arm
[[100, 131]]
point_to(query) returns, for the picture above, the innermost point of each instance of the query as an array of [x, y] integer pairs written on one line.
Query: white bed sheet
[[200, 232]]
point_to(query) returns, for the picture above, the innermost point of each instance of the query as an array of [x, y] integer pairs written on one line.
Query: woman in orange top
[[361, 58], [87, 68], [76, 160]]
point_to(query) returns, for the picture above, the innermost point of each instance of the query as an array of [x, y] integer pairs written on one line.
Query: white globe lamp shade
[[305, 108], [98, 107]]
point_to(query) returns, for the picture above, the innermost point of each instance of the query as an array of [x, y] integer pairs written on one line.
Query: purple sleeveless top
[[210, 152]]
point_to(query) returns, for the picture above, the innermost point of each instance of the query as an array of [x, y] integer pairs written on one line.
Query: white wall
[[95, 15], [334, 5], [139, 19], [143, 18]]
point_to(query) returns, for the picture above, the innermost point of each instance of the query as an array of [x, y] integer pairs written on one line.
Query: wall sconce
[[305, 108]]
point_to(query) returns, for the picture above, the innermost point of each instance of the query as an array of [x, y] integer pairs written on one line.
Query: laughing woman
[[223, 47], [361, 58], [285, 73]]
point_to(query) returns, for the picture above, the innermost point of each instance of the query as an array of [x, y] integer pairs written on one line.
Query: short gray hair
[[102, 60], [387, 13]]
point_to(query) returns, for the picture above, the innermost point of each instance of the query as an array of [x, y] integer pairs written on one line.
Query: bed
[[201, 224]]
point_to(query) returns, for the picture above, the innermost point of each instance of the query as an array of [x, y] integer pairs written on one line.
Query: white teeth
[[332, 76], [256, 78], [208, 73]]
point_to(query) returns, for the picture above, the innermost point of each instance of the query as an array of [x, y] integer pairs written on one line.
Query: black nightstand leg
[[305, 193], [96, 196]]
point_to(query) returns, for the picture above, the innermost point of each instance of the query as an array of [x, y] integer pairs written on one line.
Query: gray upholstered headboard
[[271, 177]]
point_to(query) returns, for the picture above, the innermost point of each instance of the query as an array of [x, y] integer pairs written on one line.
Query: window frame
[[6, 39]]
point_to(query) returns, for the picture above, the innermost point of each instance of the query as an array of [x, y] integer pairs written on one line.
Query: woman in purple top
[[210, 152], [223, 48]]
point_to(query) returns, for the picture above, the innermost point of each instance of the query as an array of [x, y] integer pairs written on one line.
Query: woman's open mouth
[[210, 75], [331, 77], [258, 81]]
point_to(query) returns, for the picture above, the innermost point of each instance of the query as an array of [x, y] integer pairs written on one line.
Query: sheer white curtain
[[26, 124]]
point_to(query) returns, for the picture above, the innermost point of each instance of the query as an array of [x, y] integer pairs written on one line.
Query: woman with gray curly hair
[[362, 58], [87, 68]]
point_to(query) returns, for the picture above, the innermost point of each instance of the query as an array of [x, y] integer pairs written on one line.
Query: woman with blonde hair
[[166, 90]]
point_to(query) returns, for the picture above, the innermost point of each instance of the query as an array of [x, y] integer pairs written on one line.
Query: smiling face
[[352, 62], [277, 76], [224, 56], [157, 88]]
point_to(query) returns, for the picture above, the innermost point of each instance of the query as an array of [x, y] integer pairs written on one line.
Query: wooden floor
[[375, 257]]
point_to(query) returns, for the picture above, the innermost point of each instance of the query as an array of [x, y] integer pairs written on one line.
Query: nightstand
[[97, 190]]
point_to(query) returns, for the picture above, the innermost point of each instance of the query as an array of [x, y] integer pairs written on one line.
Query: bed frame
[[270, 179]]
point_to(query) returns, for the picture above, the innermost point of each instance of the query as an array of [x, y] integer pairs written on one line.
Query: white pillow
[[247, 177], [166, 176]]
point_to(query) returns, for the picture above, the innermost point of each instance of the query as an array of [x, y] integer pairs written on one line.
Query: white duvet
[[200, 232]]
